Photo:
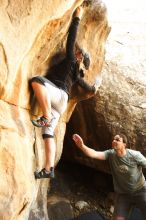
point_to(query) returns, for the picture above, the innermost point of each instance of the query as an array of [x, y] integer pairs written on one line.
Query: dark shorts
[[124, 203]]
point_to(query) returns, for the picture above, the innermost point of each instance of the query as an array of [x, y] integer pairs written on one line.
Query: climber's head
[[82, 56]]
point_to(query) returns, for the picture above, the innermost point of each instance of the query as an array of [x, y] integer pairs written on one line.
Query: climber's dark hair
[[86, 61], [86, 56]]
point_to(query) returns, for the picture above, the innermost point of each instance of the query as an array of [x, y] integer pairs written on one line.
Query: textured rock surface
[[120, 104], [32, 32]]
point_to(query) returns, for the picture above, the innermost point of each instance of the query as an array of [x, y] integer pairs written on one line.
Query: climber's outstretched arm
[[72, 33]]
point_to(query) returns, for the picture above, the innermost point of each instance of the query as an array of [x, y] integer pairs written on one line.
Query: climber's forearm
[[86, 86], [72, 38]]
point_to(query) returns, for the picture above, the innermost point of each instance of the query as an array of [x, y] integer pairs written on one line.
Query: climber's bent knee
[[48, 132], [47, 136]]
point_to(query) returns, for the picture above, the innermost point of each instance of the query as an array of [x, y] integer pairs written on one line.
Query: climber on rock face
[[53, 90], [126, 169]]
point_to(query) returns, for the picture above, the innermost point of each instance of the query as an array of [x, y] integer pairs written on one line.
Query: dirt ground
[[86, 189]]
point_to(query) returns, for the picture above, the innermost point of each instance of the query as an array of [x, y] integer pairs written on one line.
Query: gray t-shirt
[[127, 170]]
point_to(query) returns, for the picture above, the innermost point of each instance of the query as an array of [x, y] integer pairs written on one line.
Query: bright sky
[[126, 10], [127, 38]]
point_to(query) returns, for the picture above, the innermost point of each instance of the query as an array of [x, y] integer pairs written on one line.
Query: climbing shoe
[[44, 173], [41, 122]]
